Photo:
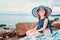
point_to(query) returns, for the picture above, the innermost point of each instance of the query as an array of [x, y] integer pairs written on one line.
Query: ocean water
[[12, 19], [15, 18]]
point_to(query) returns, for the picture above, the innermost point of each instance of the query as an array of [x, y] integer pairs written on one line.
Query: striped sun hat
[[34, 10]]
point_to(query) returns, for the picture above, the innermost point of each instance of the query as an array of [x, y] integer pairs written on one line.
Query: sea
[[13, 19]]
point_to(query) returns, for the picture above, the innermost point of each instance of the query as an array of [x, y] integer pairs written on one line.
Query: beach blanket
[[55, 36]]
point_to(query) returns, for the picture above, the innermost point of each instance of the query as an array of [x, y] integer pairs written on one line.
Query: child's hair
[[46, 12]]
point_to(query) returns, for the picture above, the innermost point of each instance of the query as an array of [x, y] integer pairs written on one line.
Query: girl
[[44, 25]]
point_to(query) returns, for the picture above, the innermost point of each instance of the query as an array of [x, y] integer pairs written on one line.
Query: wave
[[55, 15]]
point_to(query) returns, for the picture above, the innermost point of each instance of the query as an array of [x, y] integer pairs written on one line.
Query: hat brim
[[34, 10]]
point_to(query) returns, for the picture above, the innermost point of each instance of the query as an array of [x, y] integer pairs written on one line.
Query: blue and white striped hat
[[34, 10]]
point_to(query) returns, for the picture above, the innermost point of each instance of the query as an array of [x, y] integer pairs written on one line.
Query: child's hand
[[34, 30]]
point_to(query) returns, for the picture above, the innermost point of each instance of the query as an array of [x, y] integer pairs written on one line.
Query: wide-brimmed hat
[[34, 10]]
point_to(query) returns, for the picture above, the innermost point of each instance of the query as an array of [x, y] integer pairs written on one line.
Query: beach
[[25, 20]]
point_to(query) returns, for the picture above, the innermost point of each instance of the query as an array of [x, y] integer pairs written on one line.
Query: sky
[[26, 6]]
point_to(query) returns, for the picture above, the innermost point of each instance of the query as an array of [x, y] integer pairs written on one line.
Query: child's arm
[[44, 26]]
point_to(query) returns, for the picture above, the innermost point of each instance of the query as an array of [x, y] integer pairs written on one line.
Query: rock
[[2, 25], [21, 28], [54, 20]]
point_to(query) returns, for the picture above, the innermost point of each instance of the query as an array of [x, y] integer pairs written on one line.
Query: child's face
[[41, 12]]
